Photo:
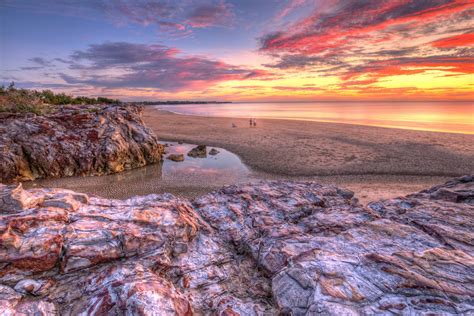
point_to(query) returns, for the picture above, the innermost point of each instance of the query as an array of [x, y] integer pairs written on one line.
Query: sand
[[374, 162]]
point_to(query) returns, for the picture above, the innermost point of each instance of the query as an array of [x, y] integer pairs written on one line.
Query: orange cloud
[[455, 41]]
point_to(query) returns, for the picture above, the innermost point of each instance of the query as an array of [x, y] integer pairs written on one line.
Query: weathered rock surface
[[274, 247], [199, 151], [92, 140]]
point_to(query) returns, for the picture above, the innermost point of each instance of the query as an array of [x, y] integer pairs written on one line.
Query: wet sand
[[372, 161]]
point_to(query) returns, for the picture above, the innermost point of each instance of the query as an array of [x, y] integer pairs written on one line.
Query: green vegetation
[[17, 100]]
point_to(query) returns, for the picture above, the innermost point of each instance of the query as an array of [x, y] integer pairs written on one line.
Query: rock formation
[[176, 157], [296, 248], [213, 152], [77, 140], [199, 151]]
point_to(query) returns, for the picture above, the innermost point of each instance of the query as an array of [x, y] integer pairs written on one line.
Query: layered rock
[[327, 255], [295, 248], [76, 140]]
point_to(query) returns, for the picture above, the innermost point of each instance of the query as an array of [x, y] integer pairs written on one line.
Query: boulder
[[176, 157], [274, 247], [75, 141], [213, 152], [198, 152]]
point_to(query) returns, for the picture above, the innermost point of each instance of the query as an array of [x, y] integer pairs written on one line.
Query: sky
[[241, 50]]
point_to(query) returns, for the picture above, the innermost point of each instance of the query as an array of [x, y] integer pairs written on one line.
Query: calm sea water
[[454, 117]]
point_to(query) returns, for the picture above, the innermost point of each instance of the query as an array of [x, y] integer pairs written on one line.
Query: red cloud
[[455, 41], [409, 66], [349, 19], [363, 41]]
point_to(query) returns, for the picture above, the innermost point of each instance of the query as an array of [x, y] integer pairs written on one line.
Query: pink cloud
[[374, 39], [150, 66]]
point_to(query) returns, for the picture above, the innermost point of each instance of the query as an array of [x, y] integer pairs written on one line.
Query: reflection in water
[[191, 177], [220, 167], [431, 116], [151, 172]]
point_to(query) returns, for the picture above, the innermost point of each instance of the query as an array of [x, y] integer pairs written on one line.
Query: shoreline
[[461, 149], [374, 162], [416, 129]]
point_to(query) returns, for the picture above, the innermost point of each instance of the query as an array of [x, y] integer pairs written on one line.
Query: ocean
[[453, 117]]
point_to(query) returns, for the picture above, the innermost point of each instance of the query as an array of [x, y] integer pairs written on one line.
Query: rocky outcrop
[[199, 151], [76, 140], [176, 157], [213, 152], [296, 248]]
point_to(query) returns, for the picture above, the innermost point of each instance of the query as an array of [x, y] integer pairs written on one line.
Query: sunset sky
[[242, 50]]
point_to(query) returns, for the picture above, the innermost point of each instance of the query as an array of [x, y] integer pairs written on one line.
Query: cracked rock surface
[[76, 140], [295, 248]]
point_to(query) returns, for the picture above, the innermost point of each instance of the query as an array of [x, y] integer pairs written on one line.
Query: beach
[[373, 162]]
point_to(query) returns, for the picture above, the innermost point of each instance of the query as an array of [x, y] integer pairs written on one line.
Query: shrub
[[21, 101], [17, 100]]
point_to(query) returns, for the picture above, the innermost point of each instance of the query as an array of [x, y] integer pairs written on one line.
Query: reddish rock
[[327, 255], [14, 199], [297, 248], [129, 289], [77, 140]]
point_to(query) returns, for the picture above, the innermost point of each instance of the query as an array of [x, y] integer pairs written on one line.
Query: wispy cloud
[[461, 40], [350, 38], [341, 48], [292, 88], [211, 14], [291, 6], [41, 61], [130, 65], [167, 15], [38, 63], [348, 19]]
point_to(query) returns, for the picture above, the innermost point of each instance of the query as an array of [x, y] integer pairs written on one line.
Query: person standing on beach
[[254, 122], [251, 122]]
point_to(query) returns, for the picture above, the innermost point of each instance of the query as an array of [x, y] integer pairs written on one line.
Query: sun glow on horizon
[[297, 50]]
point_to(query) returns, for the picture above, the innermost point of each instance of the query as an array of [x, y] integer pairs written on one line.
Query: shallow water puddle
[[188, 178], [223, 165]]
